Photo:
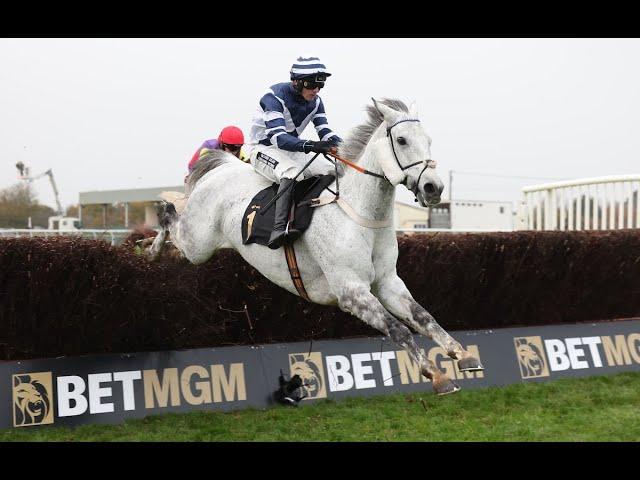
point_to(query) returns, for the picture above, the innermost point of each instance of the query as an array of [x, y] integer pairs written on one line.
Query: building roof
[[125, 196]]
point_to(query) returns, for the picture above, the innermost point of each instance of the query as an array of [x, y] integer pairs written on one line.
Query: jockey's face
[[232, 149], [310, 92]]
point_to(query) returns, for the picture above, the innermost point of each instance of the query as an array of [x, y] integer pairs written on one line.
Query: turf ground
[[605, 409]]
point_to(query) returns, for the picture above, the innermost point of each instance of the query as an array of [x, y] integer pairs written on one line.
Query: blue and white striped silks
[[282, 116]]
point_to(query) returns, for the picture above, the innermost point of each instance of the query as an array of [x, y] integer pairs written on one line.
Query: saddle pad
[[257, 228]]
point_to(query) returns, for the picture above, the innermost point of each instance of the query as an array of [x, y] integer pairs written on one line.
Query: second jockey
[[230, 140]]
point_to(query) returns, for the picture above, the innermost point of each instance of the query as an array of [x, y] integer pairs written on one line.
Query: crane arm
[[55, 191]]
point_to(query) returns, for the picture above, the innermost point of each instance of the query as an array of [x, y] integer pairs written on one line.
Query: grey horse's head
[[404, 152]]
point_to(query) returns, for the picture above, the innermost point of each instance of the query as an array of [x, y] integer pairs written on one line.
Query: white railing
[[115, 237], [451, 230], [602, 203]]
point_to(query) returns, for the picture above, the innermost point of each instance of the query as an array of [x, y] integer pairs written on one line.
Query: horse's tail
[[208, 161], [167, 214]]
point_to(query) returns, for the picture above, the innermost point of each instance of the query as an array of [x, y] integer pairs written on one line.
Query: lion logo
[[32, 399], [531, 357], [309, 367]]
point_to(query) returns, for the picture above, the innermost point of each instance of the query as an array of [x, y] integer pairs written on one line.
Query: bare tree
[[17, 203]]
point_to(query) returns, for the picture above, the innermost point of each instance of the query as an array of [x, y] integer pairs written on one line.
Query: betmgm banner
[[113, 388]]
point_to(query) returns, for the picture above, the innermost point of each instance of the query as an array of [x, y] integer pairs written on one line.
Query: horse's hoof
[[445, 386], [469, 364]]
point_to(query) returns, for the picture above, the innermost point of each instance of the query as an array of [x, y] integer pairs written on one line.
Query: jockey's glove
[[317, 147]]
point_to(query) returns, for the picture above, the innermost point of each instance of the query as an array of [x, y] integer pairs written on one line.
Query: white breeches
[[276, 164]]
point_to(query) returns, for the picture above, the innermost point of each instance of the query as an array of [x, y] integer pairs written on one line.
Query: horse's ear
[[413, 110], [389, 114]]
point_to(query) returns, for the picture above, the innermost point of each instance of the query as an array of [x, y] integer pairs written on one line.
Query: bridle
[[428, 163]]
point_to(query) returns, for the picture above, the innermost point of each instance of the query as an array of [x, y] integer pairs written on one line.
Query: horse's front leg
[[396, 298], [358, 300]]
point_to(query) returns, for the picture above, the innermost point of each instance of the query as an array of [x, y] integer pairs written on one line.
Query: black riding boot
[[283, 206]]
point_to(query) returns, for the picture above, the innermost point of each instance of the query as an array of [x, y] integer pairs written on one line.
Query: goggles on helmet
[[313, 81], [231, 147]]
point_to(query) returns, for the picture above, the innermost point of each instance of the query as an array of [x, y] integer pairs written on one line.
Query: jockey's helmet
[[231, 136], [310, 71]]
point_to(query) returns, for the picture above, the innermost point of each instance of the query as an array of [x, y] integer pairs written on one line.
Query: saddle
[[257, 228]]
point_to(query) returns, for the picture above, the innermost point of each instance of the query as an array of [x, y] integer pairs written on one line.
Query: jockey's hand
[[318, 147]]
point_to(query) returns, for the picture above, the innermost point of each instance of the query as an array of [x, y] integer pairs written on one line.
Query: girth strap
[[360, 220], [292, 263]]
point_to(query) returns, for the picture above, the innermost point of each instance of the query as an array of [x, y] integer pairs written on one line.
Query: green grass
[[603, 408]]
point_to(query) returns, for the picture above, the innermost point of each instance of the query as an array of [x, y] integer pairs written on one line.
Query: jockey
[[230, 140], [274, 148]]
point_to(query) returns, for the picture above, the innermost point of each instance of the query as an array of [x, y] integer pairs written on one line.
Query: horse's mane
[[212, 159], [358, 137]]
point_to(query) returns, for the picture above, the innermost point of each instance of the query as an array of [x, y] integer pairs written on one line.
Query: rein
[[428, 163], [355, 166]]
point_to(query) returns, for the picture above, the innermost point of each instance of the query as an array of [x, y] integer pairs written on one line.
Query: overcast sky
[[125, 113]]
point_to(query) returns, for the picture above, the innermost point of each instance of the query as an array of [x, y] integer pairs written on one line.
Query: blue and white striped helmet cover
[[306, 66]]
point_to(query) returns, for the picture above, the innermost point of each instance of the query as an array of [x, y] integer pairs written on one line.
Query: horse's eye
[[402, 141]]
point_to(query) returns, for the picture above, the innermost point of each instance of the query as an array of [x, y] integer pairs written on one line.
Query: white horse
[[342, 262]]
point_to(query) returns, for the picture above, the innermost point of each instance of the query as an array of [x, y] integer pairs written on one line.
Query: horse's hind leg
[[167, 215], [358, 300], [156, 247], [395, 296]]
